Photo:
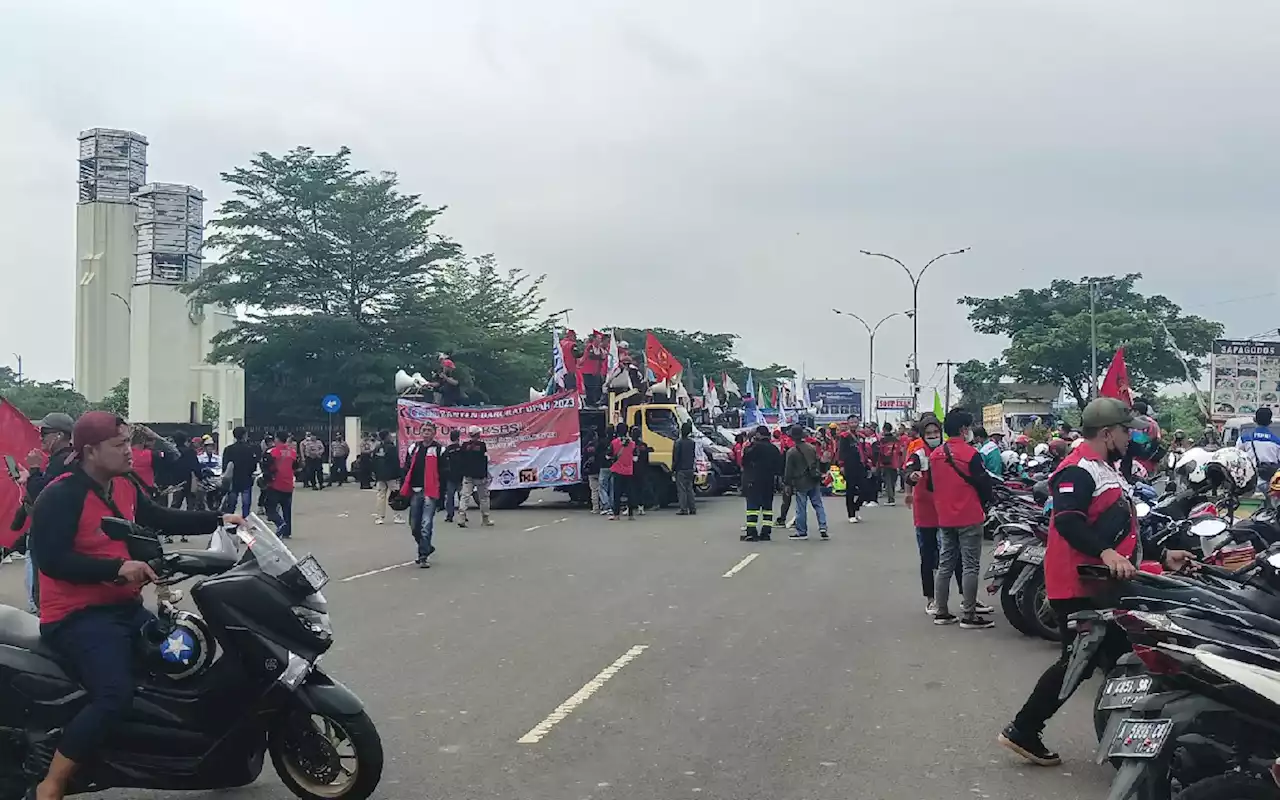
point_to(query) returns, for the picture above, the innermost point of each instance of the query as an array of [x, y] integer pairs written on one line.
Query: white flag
[[558, 369], [731, 388]]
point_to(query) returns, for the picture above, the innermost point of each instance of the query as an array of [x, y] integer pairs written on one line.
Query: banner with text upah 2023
[[535, 444]]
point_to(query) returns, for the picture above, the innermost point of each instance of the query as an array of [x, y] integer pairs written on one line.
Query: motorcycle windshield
[[273, 557]]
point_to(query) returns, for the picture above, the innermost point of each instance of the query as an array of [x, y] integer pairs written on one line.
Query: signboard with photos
[[1244, 375]]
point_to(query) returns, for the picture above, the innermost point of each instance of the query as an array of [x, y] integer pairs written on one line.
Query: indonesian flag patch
[[1066, 488]]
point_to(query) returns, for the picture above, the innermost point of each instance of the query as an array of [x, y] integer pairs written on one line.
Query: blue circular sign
[[331, 403]]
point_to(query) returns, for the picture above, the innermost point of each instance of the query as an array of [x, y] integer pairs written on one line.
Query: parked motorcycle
[[218, 690]]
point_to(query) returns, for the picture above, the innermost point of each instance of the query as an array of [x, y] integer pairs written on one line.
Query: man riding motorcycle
[[91, 604]]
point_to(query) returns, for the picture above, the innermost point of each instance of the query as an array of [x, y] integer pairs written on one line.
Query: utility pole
[[948, 365], [1093, 339], [19, 357]]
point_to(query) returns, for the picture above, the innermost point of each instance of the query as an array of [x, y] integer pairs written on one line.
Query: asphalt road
[[811, 673]]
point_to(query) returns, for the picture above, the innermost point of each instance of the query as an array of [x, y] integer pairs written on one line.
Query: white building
[[132, 318]]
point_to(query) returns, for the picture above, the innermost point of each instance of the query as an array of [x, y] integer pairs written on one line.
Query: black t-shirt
[[243, 458], [450, 393]]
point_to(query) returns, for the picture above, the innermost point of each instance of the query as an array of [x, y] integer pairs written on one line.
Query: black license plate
[[1124, 692], [998, 569], [313, 573], [1032, 555], [1140, 738]]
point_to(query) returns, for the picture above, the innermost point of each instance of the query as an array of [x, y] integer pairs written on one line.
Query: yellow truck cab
[[659, 425]]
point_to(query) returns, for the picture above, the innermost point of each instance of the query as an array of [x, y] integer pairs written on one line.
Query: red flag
[[661, 363], [773, 398], [17, 438], [1116, 384]]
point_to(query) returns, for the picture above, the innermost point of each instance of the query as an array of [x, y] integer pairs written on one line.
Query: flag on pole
[[773, 398], [1116, 384], [802, 390], [730, 388], [751, 385], [715, 396], [938, 411], [558, 369], [613, 353], [662, 364]]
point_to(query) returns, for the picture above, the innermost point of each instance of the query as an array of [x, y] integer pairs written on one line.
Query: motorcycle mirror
[[1206, 528], [1142, 509]]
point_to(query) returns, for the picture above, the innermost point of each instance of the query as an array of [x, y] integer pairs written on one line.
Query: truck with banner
[[533, 445], [538, 445]]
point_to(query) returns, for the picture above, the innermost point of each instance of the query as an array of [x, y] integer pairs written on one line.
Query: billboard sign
[[1244, 375], [895, 403], [835, 399]]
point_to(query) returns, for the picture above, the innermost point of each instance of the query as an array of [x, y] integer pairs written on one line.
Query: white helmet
[[1042, 449], [1009, 458]]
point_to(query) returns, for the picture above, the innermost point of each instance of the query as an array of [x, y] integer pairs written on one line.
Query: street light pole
[[871, 354], [915, 314]]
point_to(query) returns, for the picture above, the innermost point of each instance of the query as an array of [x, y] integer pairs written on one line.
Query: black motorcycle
[[217, 690]]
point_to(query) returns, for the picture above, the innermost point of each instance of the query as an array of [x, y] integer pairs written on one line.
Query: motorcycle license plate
[[998, 569], [1032, 555], [1124, 692], [313, 573], [1140, 738]]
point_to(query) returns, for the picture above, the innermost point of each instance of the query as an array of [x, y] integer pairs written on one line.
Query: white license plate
[[313, 573], [1032, 555], [1124, 692]]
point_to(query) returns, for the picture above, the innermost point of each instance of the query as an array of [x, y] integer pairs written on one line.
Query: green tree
[[117, 401], [979, 384], [37, 399], [1049, 333], [209, 410], [1179, 412]]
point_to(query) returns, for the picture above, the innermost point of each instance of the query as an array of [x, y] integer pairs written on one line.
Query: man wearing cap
[[91, 590], [55, 446], [448, 388], [1092, 522], [472, 462]]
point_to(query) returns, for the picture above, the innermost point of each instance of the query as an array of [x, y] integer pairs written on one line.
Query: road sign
[[894, 403], [331, 404]]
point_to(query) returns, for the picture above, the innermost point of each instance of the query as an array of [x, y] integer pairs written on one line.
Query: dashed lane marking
[[741, 565], [534, 528], [376, 571], [579, 697]]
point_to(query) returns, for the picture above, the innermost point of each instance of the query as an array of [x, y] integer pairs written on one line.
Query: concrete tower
[[113, 165]]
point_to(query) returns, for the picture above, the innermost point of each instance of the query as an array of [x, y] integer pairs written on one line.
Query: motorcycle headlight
[[315, 621]]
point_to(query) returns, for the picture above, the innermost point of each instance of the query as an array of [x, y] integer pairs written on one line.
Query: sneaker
[[823, 533], [423, 564], [399, 520], [744, 527], [854, 520], [488, 523], [379, 521], [982, 608], [682, 513], [18, 556], [748, 537], [799, 536], [786, 524], [462, 523], [944, 619], [931, 607], [973, 622], [613, 517], [604, 513], [872, 504], [892, 503], [1029, 747]]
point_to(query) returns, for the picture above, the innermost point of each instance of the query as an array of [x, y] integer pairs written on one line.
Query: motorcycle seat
[[20, 629]]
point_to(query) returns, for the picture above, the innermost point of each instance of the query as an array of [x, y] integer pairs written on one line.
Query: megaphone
[[534, 394], [418, 380], [660, 389], [403, 382]]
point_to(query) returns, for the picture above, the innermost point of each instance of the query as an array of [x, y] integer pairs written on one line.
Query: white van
[[1234, 428]]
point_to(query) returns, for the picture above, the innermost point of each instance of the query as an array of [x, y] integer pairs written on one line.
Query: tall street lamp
[[915, 314], [871, 354]]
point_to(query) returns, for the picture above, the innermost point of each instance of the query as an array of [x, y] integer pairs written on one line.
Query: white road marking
[[741, 565], [579, 697], [562, 519], [534, 528], [376, 571]]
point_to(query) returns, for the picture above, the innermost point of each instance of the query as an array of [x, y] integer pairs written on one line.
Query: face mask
[[968, 436], [933, 441]]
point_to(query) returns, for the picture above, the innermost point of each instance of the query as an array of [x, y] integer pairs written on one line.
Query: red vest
[[922, 509], [144, 466], [623, 457], [60, 598], [956, 502], [1061, 580]]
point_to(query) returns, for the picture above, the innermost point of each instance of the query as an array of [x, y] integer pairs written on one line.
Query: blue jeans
[[245, 496], [451, 490], [606, 488], [927, 544], [31, 579], [422, 522], [802, 500], [280, 511]]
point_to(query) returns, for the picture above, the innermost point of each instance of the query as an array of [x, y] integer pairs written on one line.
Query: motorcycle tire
[[1032, 602], [1232, 786], [361, 736], [1009, 603]]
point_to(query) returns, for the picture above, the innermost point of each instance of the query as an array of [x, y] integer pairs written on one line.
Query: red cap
[[447, 364], [94, 427]]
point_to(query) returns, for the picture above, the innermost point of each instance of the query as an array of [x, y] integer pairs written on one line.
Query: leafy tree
[[37, 399], [979, 384], [117, 400], [1050, 342], [705, 355], [209, 410], [1179, 412]]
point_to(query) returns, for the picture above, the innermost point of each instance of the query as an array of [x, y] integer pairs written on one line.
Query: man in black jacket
[[241, 460], [450, 476], [682, 464], [55, 441], [849, 456], [386, 471], [473, 462], [591, 465], [761, 466]]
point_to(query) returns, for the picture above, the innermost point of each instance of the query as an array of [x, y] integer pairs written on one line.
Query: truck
[[1014, 415]]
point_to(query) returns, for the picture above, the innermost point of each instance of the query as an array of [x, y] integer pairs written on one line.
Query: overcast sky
[[716, 168]]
